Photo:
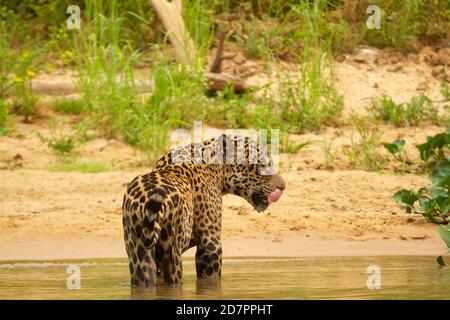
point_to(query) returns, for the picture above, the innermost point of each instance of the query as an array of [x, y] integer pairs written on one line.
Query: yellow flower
[[17, 79], [31, 73], [25, 54], [68, 53]]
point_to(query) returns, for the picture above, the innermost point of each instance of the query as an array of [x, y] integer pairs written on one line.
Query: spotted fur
[[179, 205]]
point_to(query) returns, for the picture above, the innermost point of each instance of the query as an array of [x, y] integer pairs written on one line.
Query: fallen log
[[219, 81]]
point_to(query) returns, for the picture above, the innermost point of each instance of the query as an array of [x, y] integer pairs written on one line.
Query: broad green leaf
[[396, 146], [425, 149], [426, 204], [439, 140], [434, 146], [406, 198], [444, 232], [441, 173], [447, 137], [443, 204], [438, 191]]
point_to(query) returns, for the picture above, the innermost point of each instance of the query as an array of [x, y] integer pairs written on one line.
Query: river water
[[259, 278]]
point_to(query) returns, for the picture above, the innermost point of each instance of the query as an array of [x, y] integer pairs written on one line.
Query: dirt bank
[[52, 214], [71, 215]]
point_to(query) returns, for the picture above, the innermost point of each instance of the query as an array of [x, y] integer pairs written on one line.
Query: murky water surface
[[302, 278]]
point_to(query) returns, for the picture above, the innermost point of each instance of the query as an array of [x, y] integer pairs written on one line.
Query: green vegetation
[[404, 22], [329, 153], [118, 37], [122, 47], [413, 113], [61, 143], [83, 167], [445, 90], [3, 117], [435, 149], [363, 151], [69, 106], [398, 151], [433, 202], [17, 68]]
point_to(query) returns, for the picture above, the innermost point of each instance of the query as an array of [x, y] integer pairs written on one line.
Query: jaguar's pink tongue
[[274, 196]]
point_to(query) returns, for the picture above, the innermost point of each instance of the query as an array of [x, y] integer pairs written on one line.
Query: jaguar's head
[[252, 174]]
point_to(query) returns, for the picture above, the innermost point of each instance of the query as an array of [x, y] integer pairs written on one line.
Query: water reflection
[[209, 288], [302, 278], [204, 289]]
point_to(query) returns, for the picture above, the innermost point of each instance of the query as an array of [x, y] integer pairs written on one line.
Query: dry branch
[[216, 65]]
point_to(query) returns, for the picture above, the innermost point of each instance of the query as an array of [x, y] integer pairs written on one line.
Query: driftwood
[[172, 19], [170, 15], [218, 82]]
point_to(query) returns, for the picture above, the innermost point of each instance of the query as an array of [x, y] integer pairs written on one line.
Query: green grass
[[3, 117], [304, 102], [403, 23], [84, 167], [106, 63], [329, 154], [412, 113], [363, 152], [58, 140], [445, 91], [119, 36], [308, 101], [69, 105]]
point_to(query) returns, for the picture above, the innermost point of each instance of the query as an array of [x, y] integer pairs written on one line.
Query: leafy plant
[[398, 151], [436, 148], [433, 202], [444, 232]]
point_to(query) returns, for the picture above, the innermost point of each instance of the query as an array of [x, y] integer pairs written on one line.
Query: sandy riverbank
[[64, 249]]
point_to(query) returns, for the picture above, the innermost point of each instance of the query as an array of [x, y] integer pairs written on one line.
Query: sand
[[71, 215]]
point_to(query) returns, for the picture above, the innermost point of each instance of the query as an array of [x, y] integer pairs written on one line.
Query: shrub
[[408, 114], [433, 201]]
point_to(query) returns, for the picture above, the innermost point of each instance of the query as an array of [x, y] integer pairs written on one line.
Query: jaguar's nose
[[278, 181], [281, 184]]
